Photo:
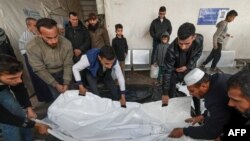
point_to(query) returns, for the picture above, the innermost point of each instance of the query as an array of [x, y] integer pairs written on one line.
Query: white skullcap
[[193, 76]]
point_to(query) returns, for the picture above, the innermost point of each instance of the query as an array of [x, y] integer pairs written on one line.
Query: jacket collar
[[118, 37], [160, 19]]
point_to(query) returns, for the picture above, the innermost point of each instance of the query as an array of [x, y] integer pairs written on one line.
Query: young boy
[[160, 53], [119, 43], [218, 40]]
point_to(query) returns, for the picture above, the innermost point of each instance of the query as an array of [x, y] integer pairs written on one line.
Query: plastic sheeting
[[90, 117]]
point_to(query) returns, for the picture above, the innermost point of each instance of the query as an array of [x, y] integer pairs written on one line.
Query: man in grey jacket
[[50, 56], [218, 39]]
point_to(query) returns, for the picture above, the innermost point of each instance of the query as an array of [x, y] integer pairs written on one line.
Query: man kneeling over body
[[213, 88], [99, 64]]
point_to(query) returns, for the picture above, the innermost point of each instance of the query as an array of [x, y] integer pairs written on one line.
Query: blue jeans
[[13, 133]]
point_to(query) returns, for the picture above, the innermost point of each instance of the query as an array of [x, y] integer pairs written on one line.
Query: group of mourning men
[[53, 59]]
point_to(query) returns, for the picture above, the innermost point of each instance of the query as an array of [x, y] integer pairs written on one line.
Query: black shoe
[[215, 69], [203, 67]]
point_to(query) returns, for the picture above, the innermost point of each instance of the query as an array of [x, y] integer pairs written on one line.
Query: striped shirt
[[24, 39]]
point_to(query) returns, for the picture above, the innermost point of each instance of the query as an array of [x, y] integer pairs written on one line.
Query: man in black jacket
[[181, 57], [78, 35], [7, 49], [16, 122], [214, 91], [238, 88], [239, 92], [157, 27]]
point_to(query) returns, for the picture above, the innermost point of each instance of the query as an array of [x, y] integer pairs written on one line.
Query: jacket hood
[[165, 34]]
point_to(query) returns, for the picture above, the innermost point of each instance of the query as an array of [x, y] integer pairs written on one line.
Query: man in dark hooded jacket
[[78, 35]]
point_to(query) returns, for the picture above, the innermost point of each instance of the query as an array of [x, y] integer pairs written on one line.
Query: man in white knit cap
[[214, 91]]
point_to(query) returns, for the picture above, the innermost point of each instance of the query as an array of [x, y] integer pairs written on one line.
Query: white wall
[[12, 18], [136, 16]]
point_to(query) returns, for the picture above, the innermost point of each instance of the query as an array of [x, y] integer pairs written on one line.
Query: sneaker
[[203, 67], [215, 69]]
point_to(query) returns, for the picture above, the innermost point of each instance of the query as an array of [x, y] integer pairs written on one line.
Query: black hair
[[204, 79], [9, 64], [162, 9], [46, 22], [107, 52], [186, 30], [86, 20], [72, 13], [242, 81], [117, 26], [231, 13], [29, 19], [165, 36]]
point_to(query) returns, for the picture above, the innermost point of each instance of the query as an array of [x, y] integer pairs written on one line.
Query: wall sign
[[210, 16]]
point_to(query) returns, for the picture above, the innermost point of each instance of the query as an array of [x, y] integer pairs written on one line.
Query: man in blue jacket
[[99, 63]]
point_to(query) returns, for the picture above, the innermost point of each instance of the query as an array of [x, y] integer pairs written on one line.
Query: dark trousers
[[214, 55], [41, 88], [108, 82], [58, 76], [155, 44], [179, 77]]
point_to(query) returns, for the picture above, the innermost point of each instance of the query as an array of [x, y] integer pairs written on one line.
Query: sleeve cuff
[[123, 92], [78, 82], [28, 104], [204, 114], [66, 82], [28, 123], [165, 92], [185, 131], [54, 83]]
